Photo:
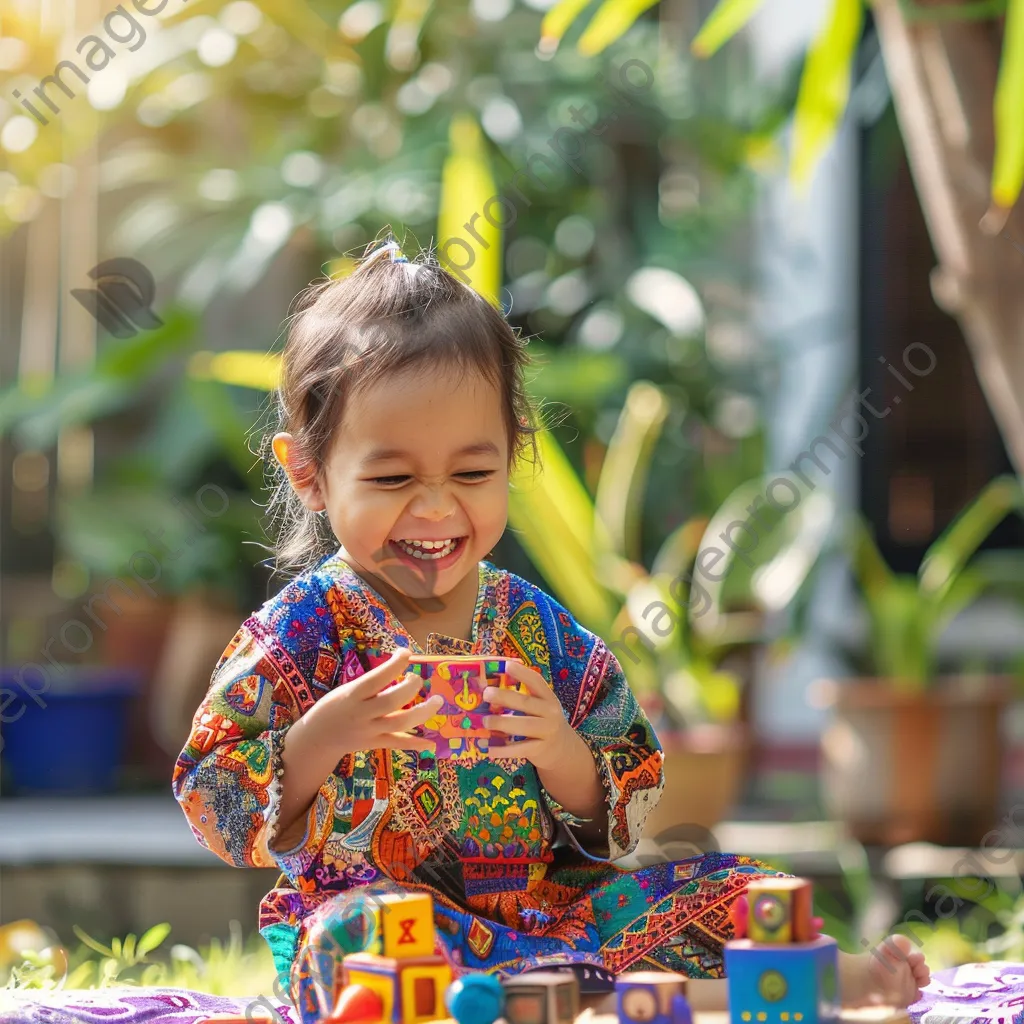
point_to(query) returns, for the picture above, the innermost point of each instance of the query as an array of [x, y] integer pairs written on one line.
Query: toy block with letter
[[401, 926], [399, 966], [788, 974]]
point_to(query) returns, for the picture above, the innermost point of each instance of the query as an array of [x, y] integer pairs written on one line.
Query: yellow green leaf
[[728, 17], [613, 19], [558, 20], [1008, 166], [469, 243], [825, 86], [552, 516], [623, 480], [257, 370]]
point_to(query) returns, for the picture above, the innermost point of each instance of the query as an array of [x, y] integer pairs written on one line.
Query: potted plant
[[914, 753], [157, 543], [652, 619]]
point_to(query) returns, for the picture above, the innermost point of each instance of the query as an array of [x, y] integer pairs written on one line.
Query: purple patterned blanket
[[132, 1006], [990, 993]]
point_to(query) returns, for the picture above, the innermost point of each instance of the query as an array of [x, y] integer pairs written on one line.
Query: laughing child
[[402, 414]]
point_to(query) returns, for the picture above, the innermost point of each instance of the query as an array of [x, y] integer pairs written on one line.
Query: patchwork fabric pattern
[[479, 835]]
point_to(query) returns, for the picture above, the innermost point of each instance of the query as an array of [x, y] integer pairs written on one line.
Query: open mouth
[[430, 550]]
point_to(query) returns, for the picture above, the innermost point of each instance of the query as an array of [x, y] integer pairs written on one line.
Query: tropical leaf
[[679, 549], [614, 18], [553, 517], [869, 566], [760, 554], [728, 17], [258, 370], [825, 86], [557, 21], [623, 481], [962, 538], [308, 28], [467, 186], [40, 409], [1008, 166], [901, 635]]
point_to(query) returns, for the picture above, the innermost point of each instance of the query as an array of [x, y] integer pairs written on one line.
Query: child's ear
[[303, 482]]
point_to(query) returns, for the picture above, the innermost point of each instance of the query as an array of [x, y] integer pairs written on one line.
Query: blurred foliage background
[[242, 149]]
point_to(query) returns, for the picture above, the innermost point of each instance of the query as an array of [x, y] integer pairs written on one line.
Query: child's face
[[400, 471]]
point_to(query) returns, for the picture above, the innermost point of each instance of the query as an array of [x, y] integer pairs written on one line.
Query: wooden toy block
[[780, 910], [403, 926], [411, 989], [770, 983], [651, 997], [542, 997]]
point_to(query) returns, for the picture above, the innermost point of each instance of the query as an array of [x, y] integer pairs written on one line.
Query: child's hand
[[548, 735], [367, 714]]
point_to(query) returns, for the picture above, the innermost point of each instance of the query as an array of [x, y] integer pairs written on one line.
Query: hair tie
[[397, 256]]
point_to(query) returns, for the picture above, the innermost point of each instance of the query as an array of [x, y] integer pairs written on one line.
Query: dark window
[[937, 446]]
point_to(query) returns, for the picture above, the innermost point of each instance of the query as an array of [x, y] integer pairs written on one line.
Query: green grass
[[237, 967]]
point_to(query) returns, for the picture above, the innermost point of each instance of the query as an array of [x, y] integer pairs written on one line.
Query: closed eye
[[395, 481]]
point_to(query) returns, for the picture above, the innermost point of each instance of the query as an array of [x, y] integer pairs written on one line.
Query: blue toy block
[[783, 984], [652, 997], [476, 999]]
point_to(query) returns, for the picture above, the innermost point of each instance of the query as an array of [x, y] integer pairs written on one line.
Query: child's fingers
[[372, 682], [514, 700], [403, 721], [531, 678], [397, 696], [518, 725]]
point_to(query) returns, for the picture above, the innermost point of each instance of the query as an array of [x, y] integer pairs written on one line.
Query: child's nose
[[436, 505]]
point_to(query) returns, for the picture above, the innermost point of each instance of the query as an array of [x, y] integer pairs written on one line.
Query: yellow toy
[[399, 965], [402, 926]]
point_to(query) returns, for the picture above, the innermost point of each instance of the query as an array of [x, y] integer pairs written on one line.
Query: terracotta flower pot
[[703, 777], [904, 767]]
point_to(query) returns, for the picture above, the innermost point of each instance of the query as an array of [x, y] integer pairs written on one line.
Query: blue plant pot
[[73, 742]]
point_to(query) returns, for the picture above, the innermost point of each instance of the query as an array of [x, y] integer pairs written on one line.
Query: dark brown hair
[[388, 316]]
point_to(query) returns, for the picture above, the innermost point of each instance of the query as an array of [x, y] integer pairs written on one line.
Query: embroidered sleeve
[[601, 707], [627, 752], [228, 777]]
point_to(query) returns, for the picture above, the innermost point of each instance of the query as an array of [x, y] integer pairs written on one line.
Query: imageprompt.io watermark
[[120, 27], [122, 301]]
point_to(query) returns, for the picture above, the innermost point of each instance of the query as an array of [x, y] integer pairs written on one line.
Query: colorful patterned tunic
[[513, 888]]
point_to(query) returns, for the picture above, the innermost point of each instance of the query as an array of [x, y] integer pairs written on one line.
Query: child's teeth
[[428, 550]]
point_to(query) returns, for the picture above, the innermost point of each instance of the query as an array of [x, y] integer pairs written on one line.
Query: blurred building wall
[[806, 249]]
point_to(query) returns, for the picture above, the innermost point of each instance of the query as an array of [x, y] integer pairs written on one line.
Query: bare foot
[[890, 974]]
